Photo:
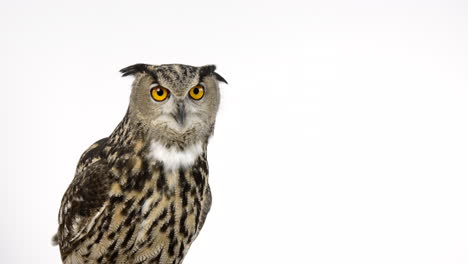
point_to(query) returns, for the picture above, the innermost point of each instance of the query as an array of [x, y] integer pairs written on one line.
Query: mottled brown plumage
[[142, 194]]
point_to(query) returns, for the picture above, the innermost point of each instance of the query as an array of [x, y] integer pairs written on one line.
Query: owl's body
[[142, 194]]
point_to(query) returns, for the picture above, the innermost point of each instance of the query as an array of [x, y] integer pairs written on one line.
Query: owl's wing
[[85, 199], [206, 207]]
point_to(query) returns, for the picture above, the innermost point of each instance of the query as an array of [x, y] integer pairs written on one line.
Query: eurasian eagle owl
[[141, 195]]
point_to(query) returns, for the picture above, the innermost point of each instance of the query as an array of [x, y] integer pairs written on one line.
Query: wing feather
[[85, 199]]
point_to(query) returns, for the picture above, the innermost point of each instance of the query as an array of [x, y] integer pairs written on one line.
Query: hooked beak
[[179, 115]]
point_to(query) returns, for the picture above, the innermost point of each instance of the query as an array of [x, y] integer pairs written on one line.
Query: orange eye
[[197, 92], [159, 93]]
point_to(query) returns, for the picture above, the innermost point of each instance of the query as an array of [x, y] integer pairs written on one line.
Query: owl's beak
[[180, 113]]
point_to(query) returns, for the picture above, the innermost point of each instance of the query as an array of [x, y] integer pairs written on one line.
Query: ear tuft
[[135, 68], [208, 70], [220, 78]]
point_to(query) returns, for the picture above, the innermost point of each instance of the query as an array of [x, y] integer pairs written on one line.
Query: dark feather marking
[[113, 256], [157, 258], [138, 181], [197, 217], [116, 199], [112, 246], [190, 237], [111, 236], [105, 226], [181, 250], [90, 246], [155, 222], [119, 228], [182, 227], [161, 180], [197, 176], [99, 237], [164, 227], [171, 221], [184, 186], [193, 191], [130, 218], [150, 244], [121, 164], [172, 244], [128, 236], [145, 197], [127, 206]]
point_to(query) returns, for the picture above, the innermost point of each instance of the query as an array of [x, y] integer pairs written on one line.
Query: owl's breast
[[153, 221], [171, 217]]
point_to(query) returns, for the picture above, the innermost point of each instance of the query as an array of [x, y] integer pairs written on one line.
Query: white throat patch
[[173, 158]]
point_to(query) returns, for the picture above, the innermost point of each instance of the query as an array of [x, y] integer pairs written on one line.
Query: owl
[[141, 195]]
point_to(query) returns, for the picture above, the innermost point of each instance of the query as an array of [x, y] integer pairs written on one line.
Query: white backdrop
[[342, 135]]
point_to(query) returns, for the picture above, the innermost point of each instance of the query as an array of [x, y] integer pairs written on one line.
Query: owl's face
[[177, 102]]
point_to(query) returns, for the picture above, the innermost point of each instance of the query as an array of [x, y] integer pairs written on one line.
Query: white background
[[342, 135]]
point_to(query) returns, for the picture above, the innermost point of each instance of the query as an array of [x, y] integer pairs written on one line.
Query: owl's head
[[177, 103]]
